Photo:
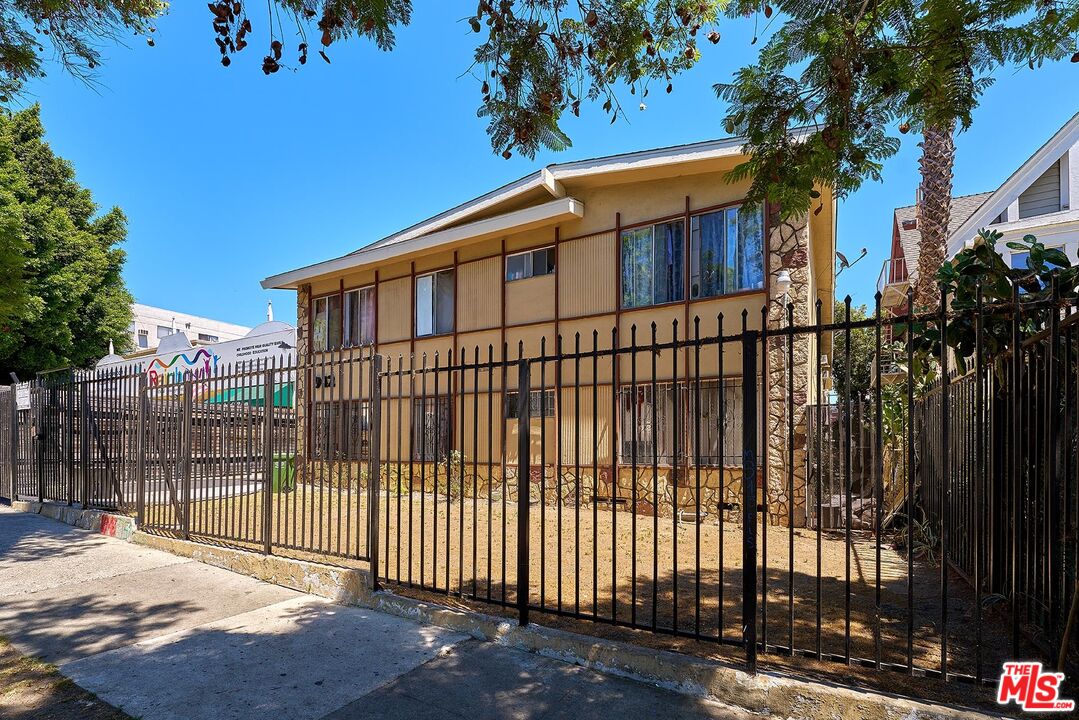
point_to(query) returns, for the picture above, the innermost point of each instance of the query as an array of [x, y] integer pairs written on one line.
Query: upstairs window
[[206, 337], [726, 252], [359, 321], [652, 265], [434, 303], [144, 338], [163, 331], [327, 323], [530, 264]]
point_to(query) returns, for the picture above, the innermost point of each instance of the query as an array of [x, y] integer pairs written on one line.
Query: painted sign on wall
[[177, 360]]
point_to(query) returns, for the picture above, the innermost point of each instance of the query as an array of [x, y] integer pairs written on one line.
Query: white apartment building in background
[[150, 324]]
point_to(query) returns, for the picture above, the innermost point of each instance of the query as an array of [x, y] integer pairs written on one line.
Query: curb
[[344, 586], [99, 521], [767, 693]]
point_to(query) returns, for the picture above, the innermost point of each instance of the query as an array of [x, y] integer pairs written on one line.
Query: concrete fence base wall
[[113, 525]]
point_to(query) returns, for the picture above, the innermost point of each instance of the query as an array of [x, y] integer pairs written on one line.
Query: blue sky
[[228, 176]]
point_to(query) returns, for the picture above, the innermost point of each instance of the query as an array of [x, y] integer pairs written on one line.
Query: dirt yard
[[682, 576], [33, 690], [648, 571]]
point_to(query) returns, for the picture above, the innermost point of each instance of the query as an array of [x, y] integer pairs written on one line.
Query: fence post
[[268, 465], [14, 444], [1015, 458], [524, 472], [84, 442], [69, 437], [374, 473], [185, 459], [39, 439], [140, 444], [749, 497]]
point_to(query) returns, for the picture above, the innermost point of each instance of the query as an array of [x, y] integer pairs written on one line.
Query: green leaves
[[1046, 280], [75, 29], [543, 57], [62, 297], [850, 71]]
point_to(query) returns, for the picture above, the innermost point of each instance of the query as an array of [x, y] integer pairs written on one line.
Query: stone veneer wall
[[303, 327], [788, 248]]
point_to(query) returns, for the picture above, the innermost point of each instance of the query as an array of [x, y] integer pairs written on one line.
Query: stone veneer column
[[303, 327], [788, 248]]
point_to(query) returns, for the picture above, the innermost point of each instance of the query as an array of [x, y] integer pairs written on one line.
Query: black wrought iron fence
[[998, 464], [582, 481], [758, 483], [8, 430]]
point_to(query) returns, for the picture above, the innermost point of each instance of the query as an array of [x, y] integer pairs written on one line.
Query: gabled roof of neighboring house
[[1016, 184], [970, 213], [539, 197], [906, 219]]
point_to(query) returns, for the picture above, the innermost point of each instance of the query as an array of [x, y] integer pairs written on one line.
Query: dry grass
[[33, 690]]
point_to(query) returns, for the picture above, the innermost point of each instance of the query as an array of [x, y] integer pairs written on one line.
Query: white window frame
[[530, 272], [433, 304]]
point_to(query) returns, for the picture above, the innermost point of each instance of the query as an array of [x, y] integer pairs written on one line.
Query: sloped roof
[[1016, 184], [963, 206], [545, 182]]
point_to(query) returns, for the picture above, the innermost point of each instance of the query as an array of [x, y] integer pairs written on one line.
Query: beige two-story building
[[600, 249]]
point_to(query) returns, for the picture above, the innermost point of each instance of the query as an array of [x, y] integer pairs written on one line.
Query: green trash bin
[[284, 472]]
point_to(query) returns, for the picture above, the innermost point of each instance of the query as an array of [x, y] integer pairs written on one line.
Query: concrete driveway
[[167, 638]]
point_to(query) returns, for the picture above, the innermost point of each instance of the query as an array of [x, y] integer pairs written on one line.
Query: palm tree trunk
[[934, 211]]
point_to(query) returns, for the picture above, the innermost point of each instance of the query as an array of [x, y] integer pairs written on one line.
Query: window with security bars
[[341, 430], [540, 404], [432, 428], [648, 424]]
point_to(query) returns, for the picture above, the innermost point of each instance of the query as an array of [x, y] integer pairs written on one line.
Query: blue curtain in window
[[709, 249], [745, 250], [637, 267], [669, 261], [751, 242], [733, 255]]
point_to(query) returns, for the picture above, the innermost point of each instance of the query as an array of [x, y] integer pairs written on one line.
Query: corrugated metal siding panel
[[394, 310], [1043, 195], [479, 294], [531, 300], [587, 276]]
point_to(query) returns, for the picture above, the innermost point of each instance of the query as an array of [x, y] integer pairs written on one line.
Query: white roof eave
[[554, 211], [550, 178]]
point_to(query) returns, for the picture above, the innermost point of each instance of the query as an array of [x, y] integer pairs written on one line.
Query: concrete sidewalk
[[167, 638]]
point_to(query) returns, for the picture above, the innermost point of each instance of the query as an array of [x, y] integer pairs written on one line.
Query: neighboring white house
[[1041, 198], [150, 324]]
